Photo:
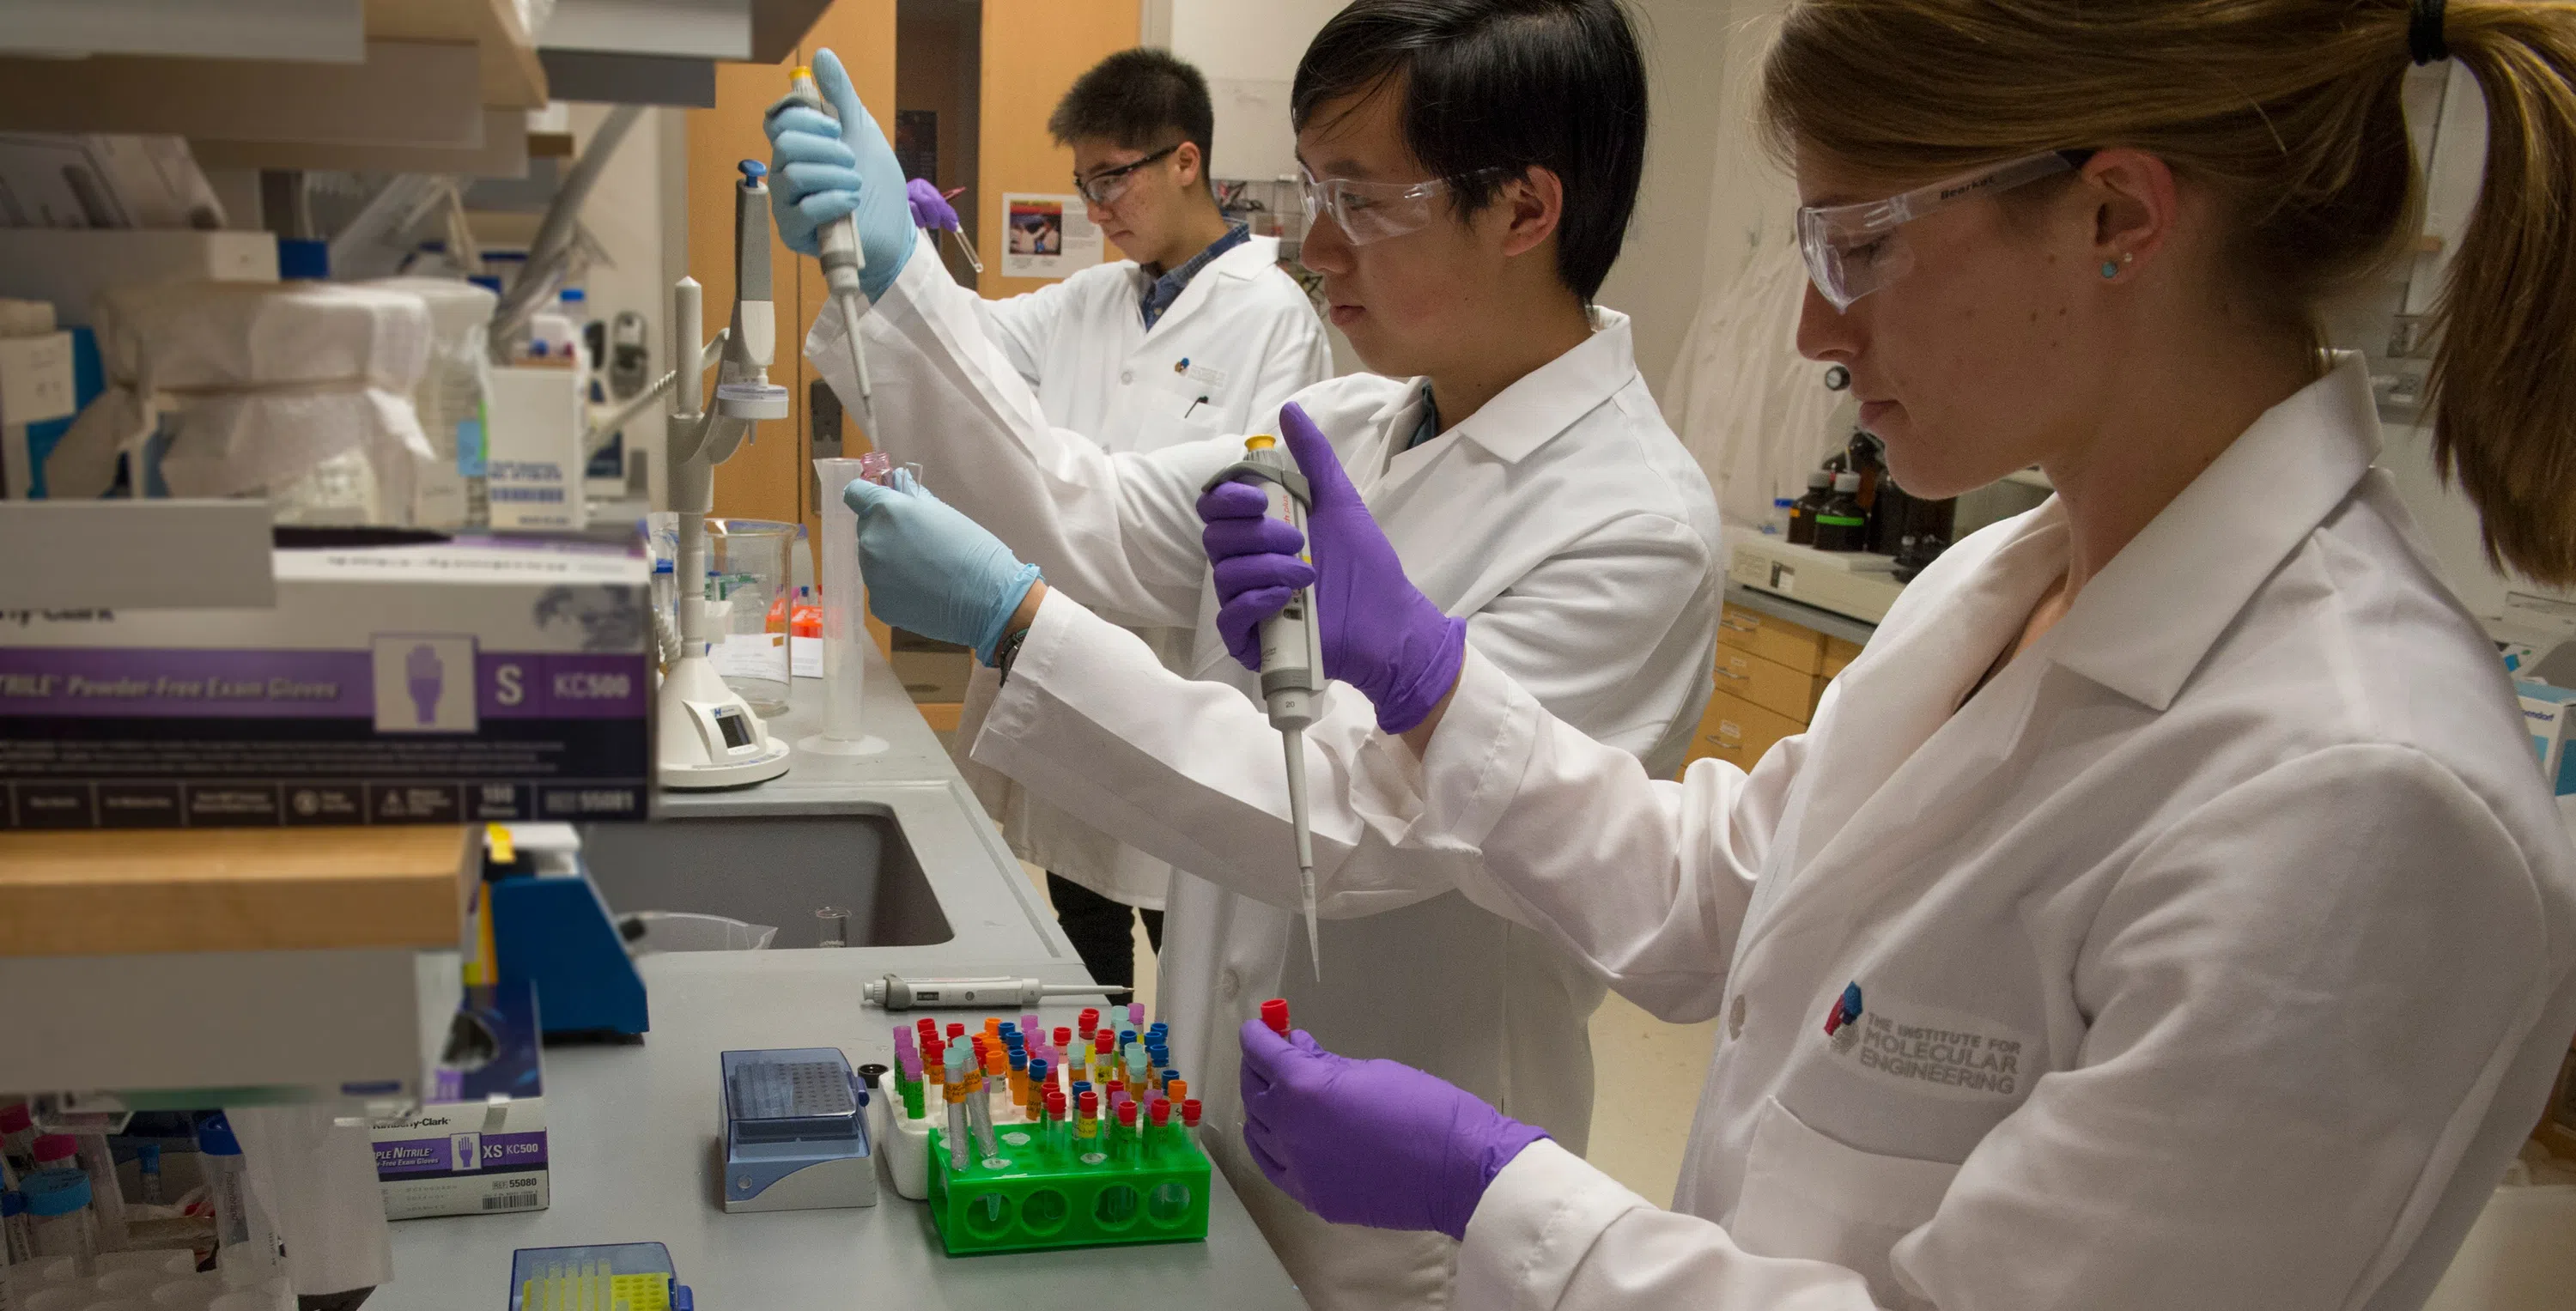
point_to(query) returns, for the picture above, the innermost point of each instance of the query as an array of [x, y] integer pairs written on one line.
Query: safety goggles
[[1374, 211], [1106, 186], [1853, 250]]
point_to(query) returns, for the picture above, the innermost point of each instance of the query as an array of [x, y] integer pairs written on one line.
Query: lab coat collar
[[2146, 621], [1241, 264], [1548, 399]]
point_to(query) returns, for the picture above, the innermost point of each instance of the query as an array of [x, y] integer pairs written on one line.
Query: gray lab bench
[[632, 1129]]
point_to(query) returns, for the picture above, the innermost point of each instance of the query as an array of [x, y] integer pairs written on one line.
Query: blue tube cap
[[55, 1192], [147, 1158], [215, 1136]]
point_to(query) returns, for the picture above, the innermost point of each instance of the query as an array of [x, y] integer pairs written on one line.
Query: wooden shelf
[[188, 890]]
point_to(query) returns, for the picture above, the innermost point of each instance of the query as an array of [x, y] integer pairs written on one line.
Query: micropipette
[[894, 992], [1292, 655], [842, 257]]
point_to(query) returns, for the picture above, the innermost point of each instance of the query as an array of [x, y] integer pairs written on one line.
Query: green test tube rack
[[1032, 1197]]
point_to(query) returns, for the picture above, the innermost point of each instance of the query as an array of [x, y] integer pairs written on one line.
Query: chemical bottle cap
[[54, 1147], [1162, 1112], [15, 1119], [1846, 482], [55, 1192], [1190, 1112], [1090, 1102], [1818, 480], [1274, 1013], [574, 295], [1783, 502], [1126, 1115]]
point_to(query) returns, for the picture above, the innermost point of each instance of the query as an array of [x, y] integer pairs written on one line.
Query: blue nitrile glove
[[822, 172], [1381, 634], [1370, 1142], [930, 209], [932, 570]]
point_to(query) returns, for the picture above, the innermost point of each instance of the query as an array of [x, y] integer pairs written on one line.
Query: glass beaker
[[747, 567]]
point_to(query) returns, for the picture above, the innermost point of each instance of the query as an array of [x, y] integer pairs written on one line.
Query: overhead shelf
[[505, 50]]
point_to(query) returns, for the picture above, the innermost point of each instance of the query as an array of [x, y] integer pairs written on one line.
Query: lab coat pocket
[[1806, 1195]]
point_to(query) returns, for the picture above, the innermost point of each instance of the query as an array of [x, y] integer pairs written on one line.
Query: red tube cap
[[54, 1147], [1190, 1113], [1090, 1102], [1274, 1013], [1126, 1115], [1162, 1112], [1063, 1037], [1090, 1018]]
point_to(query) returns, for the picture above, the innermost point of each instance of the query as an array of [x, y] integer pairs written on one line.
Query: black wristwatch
[[1008, 650]]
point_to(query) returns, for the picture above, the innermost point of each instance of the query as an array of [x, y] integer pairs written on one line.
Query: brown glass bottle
[[1802, 512], [1842, 525]]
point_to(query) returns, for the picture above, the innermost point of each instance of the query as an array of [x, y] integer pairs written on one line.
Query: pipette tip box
[[598, 1277], [795, 1132]]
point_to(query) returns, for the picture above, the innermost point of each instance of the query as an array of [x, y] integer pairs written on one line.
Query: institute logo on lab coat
[[1842, 1020]]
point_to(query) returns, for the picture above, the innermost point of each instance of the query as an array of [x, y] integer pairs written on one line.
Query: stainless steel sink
[[773, 871]]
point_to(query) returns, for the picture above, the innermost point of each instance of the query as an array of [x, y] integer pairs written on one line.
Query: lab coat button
[[1126, 375], [1230, 985], [1735, 1018]]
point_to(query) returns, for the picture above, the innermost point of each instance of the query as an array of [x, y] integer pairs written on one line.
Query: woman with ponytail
[[2164, 910]]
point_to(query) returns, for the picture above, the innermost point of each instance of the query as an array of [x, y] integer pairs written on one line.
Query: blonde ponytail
[[2289, 112], [2502, 392]]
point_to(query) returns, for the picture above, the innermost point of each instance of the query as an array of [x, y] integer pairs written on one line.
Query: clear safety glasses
[[1374, 211], [1106, 186], [1853, 250]]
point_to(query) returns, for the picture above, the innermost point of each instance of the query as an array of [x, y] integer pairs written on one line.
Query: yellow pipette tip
[[1260, 443], [801, 71]]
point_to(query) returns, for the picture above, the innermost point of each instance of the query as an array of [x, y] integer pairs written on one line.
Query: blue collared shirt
[[1162, 291]]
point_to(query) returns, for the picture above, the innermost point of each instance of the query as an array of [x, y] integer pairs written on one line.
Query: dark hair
[[1138, 99], [1503, 85]]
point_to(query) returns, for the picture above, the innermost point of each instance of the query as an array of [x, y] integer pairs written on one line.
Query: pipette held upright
[[842, 257], [1292, 656]]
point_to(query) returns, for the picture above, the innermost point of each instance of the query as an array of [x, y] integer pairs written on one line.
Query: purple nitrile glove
[[1380, 633], [930, 209], [1370, 1142]]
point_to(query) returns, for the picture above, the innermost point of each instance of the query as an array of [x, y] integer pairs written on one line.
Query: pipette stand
[[709, 737]]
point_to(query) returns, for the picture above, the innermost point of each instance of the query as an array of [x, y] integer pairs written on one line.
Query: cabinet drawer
[[1838, 656], [1738, 732], [1769, 684], [1795, 645]]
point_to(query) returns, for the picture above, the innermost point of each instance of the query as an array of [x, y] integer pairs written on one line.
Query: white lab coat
[[1563, 519], [1240, 339], [2217, 954]]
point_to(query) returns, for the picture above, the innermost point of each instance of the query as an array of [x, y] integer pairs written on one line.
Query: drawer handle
[[1741, 678], [1754, 627]]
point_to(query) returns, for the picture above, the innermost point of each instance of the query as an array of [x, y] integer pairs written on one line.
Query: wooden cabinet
[[1777, 640], [1738, 732], [1769, 675]]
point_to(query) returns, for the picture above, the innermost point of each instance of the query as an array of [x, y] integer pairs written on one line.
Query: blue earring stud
[[2110, 269]]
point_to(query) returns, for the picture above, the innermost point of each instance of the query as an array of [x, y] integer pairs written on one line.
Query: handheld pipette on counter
[[842, 257], [894, 992], [1292, 654]]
